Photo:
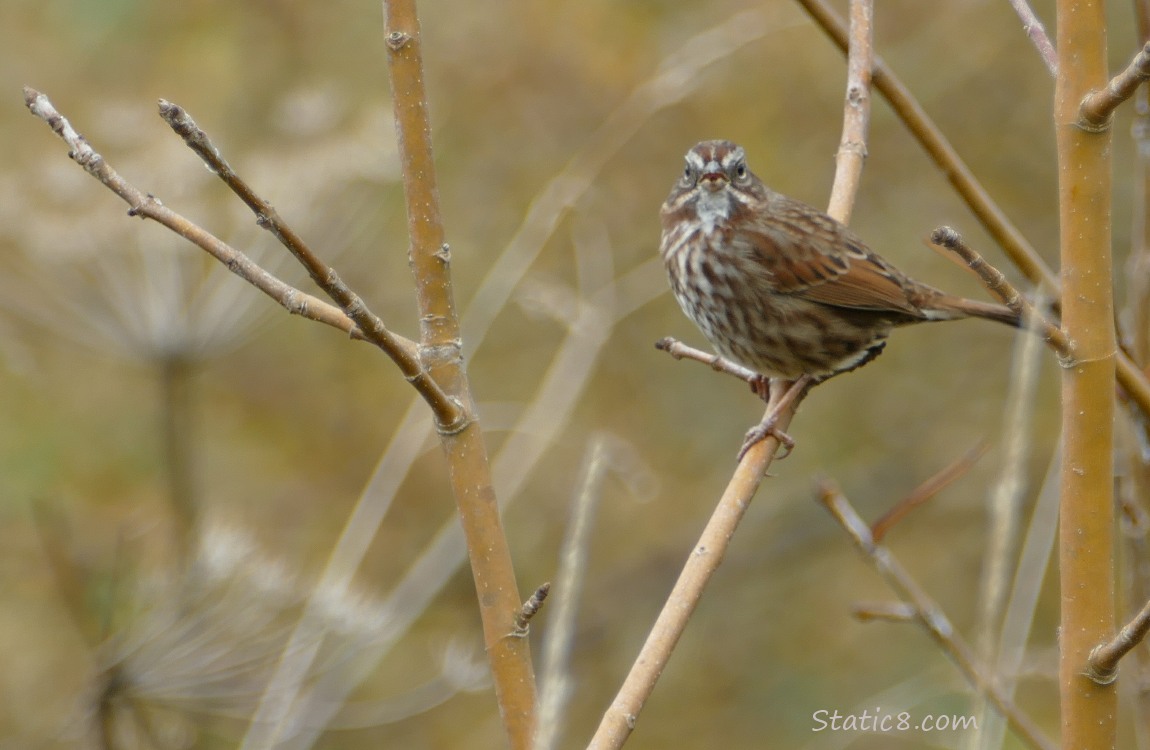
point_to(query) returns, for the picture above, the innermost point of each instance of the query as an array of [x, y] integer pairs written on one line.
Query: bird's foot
[[764, 430]]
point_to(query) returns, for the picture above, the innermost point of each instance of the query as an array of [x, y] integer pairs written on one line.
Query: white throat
[[713, 208]]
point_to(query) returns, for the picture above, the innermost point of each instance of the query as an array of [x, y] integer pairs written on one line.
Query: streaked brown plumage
[[779, 286]]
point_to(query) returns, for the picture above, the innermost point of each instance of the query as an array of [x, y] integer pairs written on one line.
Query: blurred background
[[144, 392]]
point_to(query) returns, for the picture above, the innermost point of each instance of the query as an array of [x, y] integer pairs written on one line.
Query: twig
[[995, 638], [555, 686], [928, 489], [927, 613], [1097, 109], [928, 134], [679, 350], [1102, 666], [885, 612], [529, 609], [401, 350], [1000, 286], [1037, 34]]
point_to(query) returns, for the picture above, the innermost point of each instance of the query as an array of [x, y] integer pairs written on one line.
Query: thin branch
[[448, 414], [995, 281], [619, 719], [884, 612], [147, 206], [996, 640], [679, 350], [927, 490], [1037, 34], [529, 609], [927, 613], [556, 685], [1098, 107]]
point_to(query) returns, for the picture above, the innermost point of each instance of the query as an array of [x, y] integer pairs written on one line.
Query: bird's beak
[[713, 178]]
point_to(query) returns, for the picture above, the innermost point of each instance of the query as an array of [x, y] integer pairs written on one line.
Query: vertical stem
[[856, 112], [441, 352], [1086, 534]]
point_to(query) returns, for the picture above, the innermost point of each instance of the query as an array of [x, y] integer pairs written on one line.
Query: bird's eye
[[687, 172], [741, 170]]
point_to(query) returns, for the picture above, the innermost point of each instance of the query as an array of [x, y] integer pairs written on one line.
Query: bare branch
[[928, 489], [1097, 109], [1000, 286], [449, 415], [927, 613], [148, 206], [930, 136], [620, 718], [679, 350], [1037, 34]]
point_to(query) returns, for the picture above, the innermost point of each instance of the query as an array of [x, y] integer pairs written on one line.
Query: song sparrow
[[779, 286]]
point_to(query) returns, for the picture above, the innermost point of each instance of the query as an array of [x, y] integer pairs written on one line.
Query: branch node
[[150, 201], [1067, 361], [397, 40], [443, 253], [1100, 674], [459, 425], [1088, 120], [1096, 110]]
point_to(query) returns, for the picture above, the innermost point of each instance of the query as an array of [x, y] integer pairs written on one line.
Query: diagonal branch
[[1098, 107], [927, 613], [619, 720], [1000, 286], [147, 206], [448, 413], [1036, 32]]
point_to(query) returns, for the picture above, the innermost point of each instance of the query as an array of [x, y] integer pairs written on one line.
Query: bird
[[777, 285], [780, 287]]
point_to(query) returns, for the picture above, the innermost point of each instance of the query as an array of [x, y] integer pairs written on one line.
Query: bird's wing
[[808, 254]]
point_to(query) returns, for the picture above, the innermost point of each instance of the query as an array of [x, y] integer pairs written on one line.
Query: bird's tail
[[953, 308]]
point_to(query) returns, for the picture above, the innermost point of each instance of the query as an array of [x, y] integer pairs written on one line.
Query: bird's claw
[[761, 432]]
